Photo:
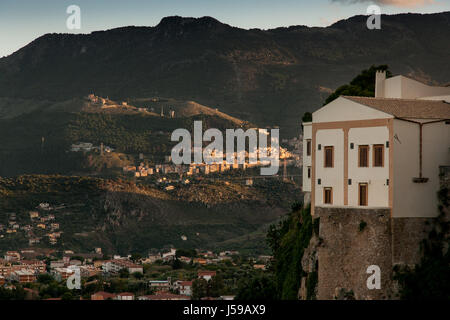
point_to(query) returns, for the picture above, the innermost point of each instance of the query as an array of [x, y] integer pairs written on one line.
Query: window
[[328, 195], [309, 172], [378, 155], [363, 194], [328, 161], [308, 147], [363, 156]]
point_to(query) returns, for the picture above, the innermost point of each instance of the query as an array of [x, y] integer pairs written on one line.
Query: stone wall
[[352, 239], [407, 235], [345, 252]]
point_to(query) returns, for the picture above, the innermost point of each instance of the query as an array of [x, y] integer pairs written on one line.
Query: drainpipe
[[420, 179]]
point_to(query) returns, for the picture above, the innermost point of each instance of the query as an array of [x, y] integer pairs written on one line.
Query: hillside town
[[30, 269]]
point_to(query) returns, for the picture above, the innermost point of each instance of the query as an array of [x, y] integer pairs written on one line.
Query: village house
[[207, 275], [159, 285], [201, 261], [36, 265], [152, 258], [12, 256], [34, 214], [185, 288], [375, 161], [171, 254], [23, 276], [164, 296], [103, 296], [57, 264], [114, 266], [61, 274], [124, 296]]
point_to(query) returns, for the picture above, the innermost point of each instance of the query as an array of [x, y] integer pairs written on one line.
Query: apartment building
[[114, 266]]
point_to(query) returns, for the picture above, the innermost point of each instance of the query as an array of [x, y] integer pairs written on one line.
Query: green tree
[[307, 117], [215, 286], [138, 275], [362, 85], [257, 287], [67, 296], [44, 278], [288, 241], [135, 257], [199, 289], [124, 273], [430, 279]]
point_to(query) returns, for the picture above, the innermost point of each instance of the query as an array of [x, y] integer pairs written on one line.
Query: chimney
[[380, 78]]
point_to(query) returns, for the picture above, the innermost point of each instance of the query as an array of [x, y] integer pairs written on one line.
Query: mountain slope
[[266, 77], [121, 216]]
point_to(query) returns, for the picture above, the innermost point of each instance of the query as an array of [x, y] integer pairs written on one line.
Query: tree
[[67, 296], [45, 278], [124, 273], [215, 286], [191, 253], [137, 275], [135, 257], [430, 279], [177, 264], [288, 241], [362, 85], [307, 117], [199, 289], [257, 287]]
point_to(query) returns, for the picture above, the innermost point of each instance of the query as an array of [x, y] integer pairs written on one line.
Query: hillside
[[127, 131], [269, 77], [121, 216]]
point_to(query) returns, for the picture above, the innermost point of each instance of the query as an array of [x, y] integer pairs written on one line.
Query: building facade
[[379, 152], [371, 174]]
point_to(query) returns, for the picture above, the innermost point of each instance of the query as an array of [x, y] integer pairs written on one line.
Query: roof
[[206, 273], [126, 294], [104, 294], [167, 296], [407, 108]]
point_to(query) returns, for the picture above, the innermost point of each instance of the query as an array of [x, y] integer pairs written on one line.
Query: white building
[[185, 288], [114, 266], [382, 152]]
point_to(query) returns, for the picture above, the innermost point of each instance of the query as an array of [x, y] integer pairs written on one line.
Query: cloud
[[397, 3]]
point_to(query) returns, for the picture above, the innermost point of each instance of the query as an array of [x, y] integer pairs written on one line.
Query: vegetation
[[362, 225], [288, 241], [362, 85], [430, 279], [260, 286], [122, 217]]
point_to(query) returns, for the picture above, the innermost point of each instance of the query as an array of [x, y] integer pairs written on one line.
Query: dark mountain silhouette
[[269, 77]]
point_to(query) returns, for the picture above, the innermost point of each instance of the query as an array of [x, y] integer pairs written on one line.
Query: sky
[[22, 21]]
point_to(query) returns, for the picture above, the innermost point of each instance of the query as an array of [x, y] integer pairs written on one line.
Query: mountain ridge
[[269, 77]]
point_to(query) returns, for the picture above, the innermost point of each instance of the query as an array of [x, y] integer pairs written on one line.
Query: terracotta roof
[[126, 294], [407, 108], [206, 273], [167, 296], [105, 295]]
